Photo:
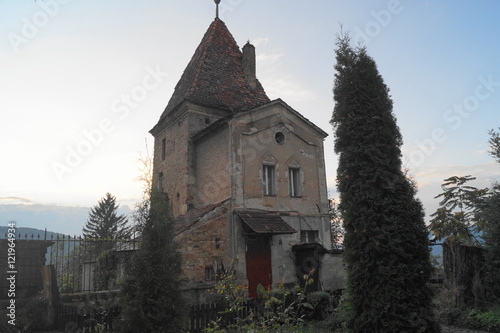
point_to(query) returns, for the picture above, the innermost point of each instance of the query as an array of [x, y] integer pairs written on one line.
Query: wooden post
[[50, 293]]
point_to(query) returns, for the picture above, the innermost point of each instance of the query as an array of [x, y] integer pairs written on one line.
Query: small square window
[[269, 179], [209, 273], [309, 236], [294, 182]]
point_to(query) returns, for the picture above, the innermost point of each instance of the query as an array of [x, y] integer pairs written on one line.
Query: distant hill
[[68, 220], [29, 233]]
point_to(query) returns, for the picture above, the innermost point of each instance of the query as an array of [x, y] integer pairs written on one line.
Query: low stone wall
[[29, 259]]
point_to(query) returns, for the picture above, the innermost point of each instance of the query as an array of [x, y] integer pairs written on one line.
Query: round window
[[279, 137]]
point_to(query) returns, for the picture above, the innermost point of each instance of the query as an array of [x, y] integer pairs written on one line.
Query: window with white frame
[[309, 236], [269, 179], [294, 181]]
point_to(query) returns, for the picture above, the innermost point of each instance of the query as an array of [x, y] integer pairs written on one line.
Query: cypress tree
[[491, 217], [151, 296], [386, 243]]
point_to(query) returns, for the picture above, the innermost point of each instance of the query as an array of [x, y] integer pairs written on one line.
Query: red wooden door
[[258, 264]]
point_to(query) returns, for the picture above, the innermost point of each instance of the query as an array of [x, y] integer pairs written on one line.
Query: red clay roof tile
[[215, 75]]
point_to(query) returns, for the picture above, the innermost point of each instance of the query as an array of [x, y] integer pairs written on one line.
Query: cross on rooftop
[[217, 2]]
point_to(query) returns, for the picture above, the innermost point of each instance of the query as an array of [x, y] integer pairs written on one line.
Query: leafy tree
[[386, 244], [495, 144], [141, 209], [336, 230], [151, 295], [104, 222], [457, 219]]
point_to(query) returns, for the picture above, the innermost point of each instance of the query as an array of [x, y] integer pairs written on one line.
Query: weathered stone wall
[[213, 180], [174, 167], [177, 167], [283, 258], [29, 259], [227, 163], [254, 142], [206, 244]]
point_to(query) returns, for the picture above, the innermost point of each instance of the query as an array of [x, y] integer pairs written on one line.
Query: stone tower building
[[245, 175]]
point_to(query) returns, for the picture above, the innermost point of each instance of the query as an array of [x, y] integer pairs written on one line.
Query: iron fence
[[89, 265], [81, 264], [201, 316]]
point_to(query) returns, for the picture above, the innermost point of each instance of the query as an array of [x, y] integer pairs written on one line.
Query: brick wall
[[200, 248], [212, 168], [178, 166], [174, 167]]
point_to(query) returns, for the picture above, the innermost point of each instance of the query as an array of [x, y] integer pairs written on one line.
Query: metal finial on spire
[[217, 2]]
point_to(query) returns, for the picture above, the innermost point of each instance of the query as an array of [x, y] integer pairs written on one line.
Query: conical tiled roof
[[215, 75]]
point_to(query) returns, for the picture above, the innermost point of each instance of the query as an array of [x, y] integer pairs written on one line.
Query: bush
[[277, 310], [322, 305], [31, 315], [447, 308], [105, 272], [485, 320]]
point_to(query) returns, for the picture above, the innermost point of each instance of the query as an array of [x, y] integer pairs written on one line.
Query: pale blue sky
[[67, 68]]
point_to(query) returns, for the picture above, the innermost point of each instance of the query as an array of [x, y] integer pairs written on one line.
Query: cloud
[[266, 60], [15, 201], [260, 41], [278, 82], [485, 173]]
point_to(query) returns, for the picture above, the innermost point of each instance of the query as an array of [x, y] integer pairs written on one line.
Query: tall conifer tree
[[491, 216], [386, 244], [151, 293], [104, 221]]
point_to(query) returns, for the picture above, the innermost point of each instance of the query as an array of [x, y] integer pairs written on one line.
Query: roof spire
[[217, 8]]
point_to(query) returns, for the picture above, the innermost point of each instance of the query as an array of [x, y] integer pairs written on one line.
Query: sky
[[84, 81]]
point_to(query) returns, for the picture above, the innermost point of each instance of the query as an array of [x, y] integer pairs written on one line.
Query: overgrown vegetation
[[277, 310], [151, 297], [30, 316], [386, 245], [105, 272], [336, 229], [491, 216], [487, 320], [457, 219], [470, 216]]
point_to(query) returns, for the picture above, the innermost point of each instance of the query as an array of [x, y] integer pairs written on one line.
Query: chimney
[[249, 64]]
